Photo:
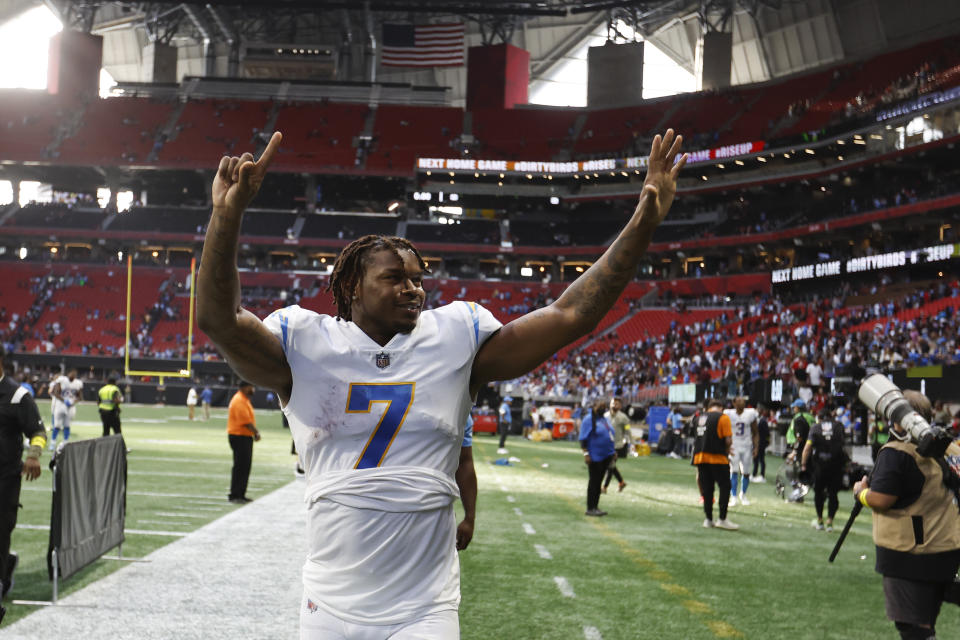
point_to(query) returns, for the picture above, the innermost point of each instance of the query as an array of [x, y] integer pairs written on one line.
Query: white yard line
[[518, 512], [528, 529], [139, 532], [511, 499], [543, 552], [565, 589], [591, 633]]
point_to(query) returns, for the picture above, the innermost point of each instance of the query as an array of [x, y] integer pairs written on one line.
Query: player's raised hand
[[238, 179], [660, 185]]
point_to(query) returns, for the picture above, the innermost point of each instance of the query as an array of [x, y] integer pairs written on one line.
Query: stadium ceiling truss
[[771, 38]]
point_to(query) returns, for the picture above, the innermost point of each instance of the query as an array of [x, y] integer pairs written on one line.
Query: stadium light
[[810, 151], [393, 206], [23, 253], [554, 200], [119, 255], [761, 159], [526, 271]]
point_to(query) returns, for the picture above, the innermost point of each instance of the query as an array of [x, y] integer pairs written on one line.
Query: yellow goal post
[[181, 373]]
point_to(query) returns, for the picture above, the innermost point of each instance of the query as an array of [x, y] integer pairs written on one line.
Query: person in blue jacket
[[596, 440]]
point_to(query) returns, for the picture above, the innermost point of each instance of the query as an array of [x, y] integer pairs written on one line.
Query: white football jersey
[[69, 390], [741, 424], [379, 430]]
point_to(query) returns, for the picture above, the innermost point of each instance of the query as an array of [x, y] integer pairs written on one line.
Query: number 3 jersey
[[379, 431], [742, 426]]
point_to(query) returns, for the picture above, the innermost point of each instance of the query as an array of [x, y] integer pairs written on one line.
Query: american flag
[[427, 45]]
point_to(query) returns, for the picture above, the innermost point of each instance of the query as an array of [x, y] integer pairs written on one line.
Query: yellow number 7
[[399, 397]]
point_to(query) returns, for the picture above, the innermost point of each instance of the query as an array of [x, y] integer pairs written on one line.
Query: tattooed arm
[[250, 349], [525, 343]]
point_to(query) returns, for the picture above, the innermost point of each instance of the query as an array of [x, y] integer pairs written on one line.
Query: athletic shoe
[[817, 525], [594, 512], [829, 528], [726, 524], [622, 485], [298, 471], [733, 501], [501, 451], [744, 501], [708, 523], [759, 479], [603, 489], [240, 500]]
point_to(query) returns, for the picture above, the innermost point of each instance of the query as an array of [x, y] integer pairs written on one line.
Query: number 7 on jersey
[[360, 399]]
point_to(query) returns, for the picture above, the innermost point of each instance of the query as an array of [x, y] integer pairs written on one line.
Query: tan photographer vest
[[931, 524]]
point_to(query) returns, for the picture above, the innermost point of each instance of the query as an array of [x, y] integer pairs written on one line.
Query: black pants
[[9, 501], [827, 477], [242, 457], [612, 467], [710, 474], [596, 469], [504, 429], [110, 420], [760, 461]]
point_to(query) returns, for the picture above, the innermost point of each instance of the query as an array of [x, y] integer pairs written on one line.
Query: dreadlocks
[[349, 268]]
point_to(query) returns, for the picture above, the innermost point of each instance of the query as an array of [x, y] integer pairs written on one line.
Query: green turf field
[[648, 570]]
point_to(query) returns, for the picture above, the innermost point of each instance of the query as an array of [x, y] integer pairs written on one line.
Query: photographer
[[916, 528]]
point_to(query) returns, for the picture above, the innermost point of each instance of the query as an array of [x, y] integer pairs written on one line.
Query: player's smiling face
[[390, 295]]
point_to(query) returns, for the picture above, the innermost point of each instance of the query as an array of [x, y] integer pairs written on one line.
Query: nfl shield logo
[[383, 360]]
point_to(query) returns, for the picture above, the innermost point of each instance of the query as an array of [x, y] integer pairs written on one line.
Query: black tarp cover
[[89, 502]]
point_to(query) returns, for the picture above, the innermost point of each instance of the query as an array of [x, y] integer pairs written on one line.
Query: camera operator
[[916, 528]]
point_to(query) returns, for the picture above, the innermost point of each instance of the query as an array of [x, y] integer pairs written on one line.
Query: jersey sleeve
[[284, 323], [31, 424], [468, 432], [482, 324]]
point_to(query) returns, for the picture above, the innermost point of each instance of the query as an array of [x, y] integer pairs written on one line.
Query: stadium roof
[[771, 38]]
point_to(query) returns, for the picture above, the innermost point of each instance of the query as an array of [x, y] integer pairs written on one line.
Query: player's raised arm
[[253, 352], [526, 342]]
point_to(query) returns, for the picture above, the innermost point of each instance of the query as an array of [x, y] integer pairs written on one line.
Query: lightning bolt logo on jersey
[[379, 430]]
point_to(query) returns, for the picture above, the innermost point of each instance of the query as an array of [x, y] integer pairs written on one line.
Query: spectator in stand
[[814, 374]]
